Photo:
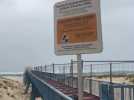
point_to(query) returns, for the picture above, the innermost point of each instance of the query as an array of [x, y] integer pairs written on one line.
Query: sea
[[17, 76]]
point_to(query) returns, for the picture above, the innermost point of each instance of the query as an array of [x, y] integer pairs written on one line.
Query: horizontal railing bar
[[54, 89], [63, 64], [110, 61]]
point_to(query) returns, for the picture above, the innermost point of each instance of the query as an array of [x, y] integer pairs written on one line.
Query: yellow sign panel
[[77, 27]]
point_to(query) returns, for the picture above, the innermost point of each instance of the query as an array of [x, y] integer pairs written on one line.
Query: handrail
[[51, 87], [110, 61]]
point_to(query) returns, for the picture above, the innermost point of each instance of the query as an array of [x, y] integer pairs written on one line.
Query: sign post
[[77, 27], [80, 79]]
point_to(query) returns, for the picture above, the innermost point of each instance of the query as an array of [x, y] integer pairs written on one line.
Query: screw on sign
[[65, 39]]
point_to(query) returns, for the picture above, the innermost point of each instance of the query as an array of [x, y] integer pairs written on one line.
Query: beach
[[11, 88], [120, 79]]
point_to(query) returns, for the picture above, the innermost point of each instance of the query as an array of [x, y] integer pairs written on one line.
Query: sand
[[12, 90], [11, 87], [123, 80]]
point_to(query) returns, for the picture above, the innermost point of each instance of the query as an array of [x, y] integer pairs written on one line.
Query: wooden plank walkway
[[72, 92]]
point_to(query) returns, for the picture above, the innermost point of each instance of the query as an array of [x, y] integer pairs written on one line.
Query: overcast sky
[[27, 32]]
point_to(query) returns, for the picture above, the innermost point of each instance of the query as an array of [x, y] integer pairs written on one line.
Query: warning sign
[[77, 27]]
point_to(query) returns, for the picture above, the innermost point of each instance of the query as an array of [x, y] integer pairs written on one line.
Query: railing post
[[133, 93], [130, 98], [122, 93], [41, 68], [90, 80], [104, 91], [38, 68], [45, 68], [79, 71], [53, 72], [110, 73], [71, 71], [111, 89], [64, 75], [82, 63], [111, 92]]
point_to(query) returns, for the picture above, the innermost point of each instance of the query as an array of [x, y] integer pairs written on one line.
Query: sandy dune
[[123, 80], [12, 90]]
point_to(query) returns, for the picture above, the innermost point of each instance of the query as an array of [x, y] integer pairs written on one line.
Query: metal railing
[[46, 91], [95, 73]]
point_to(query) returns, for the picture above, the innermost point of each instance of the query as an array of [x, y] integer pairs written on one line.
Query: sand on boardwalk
[[12, 90]]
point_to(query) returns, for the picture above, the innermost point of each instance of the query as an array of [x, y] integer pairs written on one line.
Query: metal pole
[[133, 94], [79, 69], [122, 93], [90, 84], [64, 75], [71, 71], [53, 72], [110, 72], [130, 98], [45, 68], [111, 90], [53, 69], [41, 68]]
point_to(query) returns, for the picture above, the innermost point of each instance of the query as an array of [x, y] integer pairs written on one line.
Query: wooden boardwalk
[[71, 92]]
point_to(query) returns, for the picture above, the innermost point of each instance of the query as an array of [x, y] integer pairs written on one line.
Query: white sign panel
[[77, 25]]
